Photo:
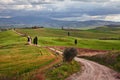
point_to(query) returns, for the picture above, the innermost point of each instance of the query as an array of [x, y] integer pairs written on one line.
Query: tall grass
[[20, 61]]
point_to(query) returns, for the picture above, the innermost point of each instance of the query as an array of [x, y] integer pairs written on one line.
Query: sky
[[65, 10]]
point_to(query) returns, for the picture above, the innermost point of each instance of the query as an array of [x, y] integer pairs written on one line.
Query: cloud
[[6, 1], [84, 17], [22, 7], [62, 9], [97, 0], [5, 16], [115, 17], [27, 2], [92, 0]]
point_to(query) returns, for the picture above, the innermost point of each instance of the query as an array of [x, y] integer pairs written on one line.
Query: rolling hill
[[28, 21], [19, 61], [24, 62], [86, 38]]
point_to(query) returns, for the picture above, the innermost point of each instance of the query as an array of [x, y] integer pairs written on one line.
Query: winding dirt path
[[91, 70]]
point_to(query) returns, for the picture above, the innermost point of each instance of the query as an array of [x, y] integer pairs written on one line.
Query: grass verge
[[63, 71]]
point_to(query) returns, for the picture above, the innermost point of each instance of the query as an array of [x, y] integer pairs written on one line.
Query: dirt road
[[91, 71]]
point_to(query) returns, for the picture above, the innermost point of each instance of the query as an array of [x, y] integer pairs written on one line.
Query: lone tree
[[68, 33], [75, 41], [62, 28], [69, 54]]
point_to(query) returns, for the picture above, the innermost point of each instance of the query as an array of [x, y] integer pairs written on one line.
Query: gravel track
[[91, 70]]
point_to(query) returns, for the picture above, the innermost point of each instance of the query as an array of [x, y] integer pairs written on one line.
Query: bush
[[69, 54]]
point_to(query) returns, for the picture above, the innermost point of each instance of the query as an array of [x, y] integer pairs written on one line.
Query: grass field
[[86, 38], [10, 37], [18, 60], [22, 62], [91, 33]]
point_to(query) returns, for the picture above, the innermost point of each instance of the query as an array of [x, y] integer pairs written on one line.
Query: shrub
[[69, 54]]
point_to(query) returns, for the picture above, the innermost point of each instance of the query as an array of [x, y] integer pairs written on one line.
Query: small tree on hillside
[[75, 41], [68, 33], [69, 54], [62, 28]]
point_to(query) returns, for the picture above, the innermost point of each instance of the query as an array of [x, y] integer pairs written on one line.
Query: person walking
[[29, 40], [35, 41]]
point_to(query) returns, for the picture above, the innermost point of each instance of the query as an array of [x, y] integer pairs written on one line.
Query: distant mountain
[[28, 21], [117, 26]]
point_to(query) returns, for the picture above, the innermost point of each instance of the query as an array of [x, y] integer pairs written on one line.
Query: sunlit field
[[20, 61], [86, 38]]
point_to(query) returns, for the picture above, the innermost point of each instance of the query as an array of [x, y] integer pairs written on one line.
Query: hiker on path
[[29, 40], [35, 41]]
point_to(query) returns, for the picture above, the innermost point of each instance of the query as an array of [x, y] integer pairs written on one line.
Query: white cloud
[[115, 17], [81, 18], [5, 16], [30, 7], [6, 1], [114, 0], [23, 7], [70, 9], [97, 0], [25, 2]]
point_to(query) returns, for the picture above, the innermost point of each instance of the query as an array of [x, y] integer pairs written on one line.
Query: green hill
[[86, 38], [91, 33], [21, 61], [106, 29]]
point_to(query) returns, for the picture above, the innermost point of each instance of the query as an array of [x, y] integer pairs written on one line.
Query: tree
[[75, 41], [62, 28], [68, 33], [69, 54]]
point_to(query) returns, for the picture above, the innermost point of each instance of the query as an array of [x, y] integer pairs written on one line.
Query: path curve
[[91, 70]]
